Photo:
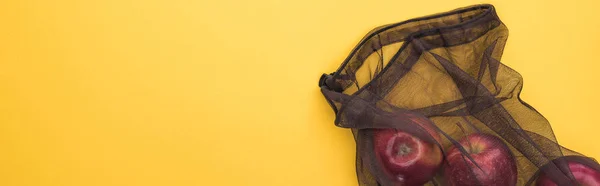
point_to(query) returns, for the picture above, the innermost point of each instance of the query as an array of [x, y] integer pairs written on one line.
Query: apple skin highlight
[[497, 166], [583, 174], [407, 159]]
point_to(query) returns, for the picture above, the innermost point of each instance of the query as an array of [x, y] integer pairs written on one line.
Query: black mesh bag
[[429, 103]]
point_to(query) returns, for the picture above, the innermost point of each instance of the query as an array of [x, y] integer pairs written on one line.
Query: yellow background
[[221, 92]]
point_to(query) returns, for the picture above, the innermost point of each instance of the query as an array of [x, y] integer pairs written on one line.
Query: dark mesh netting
[[429, 103]]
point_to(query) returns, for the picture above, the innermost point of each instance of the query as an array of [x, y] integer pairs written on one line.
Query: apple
[[407, 159], [585, 176], [496, 163]]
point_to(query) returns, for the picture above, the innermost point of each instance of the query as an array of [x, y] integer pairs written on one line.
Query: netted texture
[[435, 86]]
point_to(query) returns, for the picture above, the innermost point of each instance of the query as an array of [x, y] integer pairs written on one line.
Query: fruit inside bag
[[429, 103]]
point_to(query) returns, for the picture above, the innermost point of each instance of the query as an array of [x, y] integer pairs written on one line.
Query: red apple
[[407, 159], [497, 165], [585, 175]]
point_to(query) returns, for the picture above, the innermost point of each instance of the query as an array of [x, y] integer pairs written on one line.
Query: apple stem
[[471, 124], [465, 133]]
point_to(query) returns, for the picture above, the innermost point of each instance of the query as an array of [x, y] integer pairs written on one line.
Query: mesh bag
[[429, 103]]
